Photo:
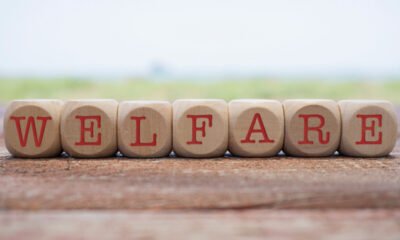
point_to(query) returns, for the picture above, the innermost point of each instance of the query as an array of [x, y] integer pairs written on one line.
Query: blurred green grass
[[137, 89]]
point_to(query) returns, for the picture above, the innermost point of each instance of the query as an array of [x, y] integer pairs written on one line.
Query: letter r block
[[312, 127], [32, 128], [256, 127], [145, 128], [200, 128], [369, 128], [89, 128]]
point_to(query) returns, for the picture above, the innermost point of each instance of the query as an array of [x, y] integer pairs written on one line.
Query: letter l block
[[145, 128]]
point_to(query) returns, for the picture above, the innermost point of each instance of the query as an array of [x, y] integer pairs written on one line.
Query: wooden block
[[200, 128], [312, 127], [256, 127], [32, 128], [145, 128], [89, 128], [369, 128]]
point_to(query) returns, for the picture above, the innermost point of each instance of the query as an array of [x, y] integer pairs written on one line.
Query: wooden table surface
[[174, 198]]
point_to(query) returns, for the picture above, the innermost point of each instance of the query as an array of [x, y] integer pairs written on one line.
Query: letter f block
[[32, 128], [89, 128], [145, 128], [369, 128], [200, 128], [312, 127]]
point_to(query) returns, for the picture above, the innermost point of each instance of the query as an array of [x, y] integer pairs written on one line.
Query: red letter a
[[257, 118], [23, 139]]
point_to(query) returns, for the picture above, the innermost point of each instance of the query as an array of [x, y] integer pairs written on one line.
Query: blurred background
[[147, 49]]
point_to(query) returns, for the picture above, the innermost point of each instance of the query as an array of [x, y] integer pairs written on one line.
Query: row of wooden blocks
[[199, 128]]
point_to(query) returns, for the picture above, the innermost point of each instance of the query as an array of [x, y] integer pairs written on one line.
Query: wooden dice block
[[145, 128], [312, 127], [32, 128], [256, 127], [89, 128], [369, 128], [200, 128]]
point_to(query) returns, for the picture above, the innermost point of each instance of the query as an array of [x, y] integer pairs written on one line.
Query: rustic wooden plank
[[249, 224], [216, 198], [222, 183]]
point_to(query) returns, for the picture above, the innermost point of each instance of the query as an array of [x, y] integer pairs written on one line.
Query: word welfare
[[199, 128]]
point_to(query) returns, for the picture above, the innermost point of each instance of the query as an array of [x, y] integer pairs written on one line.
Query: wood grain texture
[[177, 225], [174, 198], [221, 183]]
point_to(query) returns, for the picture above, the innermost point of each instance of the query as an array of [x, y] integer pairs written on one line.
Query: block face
[[32, 128], [312, 127], [200, 128], [145, 128], [89, 128], [369, 128], [256, 127]]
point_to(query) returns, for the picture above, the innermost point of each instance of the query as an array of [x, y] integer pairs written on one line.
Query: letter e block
[[145, 128], [32, 128], [256, 127], [200, 128], [89, 128], [369, 128], [312, 127]]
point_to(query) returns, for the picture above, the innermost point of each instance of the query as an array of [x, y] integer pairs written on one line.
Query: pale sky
[[92, 37]]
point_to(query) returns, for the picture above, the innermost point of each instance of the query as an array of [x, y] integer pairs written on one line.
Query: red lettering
[[23, 139], [261, 129], [90, 129], [371, 128], [318, 129], [202, 128], [137, 140]]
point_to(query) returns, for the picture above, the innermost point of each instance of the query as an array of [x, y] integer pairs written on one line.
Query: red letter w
[[23, 139]]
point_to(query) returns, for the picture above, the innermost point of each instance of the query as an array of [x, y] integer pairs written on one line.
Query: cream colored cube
[[200, 128], [312, 127], [145, 128], [256, 127], [369, 128], [32, 128], [89, 128]]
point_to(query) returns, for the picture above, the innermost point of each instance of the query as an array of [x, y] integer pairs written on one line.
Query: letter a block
[[200, 128], [32, 128], [89, 128], [145, 128], [369, 128], [256, 127], [312, 127]]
